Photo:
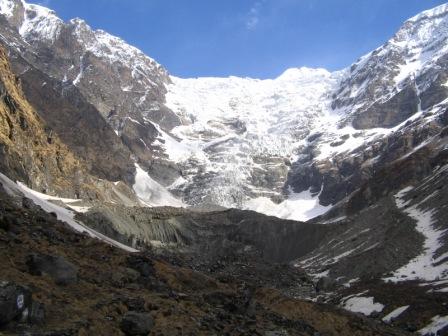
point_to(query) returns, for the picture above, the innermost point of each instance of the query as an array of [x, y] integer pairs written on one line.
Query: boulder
[[134, 323], [15, 302], [142, 265], [325, 284], [59, 269]]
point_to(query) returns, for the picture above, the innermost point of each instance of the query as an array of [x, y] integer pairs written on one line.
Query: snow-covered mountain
[[95, 123], [293, 146], [242, 135]]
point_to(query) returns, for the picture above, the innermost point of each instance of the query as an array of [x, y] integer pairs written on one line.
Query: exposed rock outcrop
[[27, 152], [31, 152]]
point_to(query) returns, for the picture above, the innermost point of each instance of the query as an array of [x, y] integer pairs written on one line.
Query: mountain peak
[[7, 7], [430, 13], [303, 73], [32, 21]]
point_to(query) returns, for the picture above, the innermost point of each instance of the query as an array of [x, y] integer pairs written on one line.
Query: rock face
[[33, 153], [403, 76], [67, 114], [26, 151], [85, 132], [394, 97]]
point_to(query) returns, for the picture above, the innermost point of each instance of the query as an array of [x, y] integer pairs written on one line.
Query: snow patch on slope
[[298, 206], [430, 13], [363, 305], [177, 151], [115, 50], [7, 8], [64, 215], [40, 23], [437, 324], [151, 193], [424, 267], [67, 201], [422, 42], [394, 314]]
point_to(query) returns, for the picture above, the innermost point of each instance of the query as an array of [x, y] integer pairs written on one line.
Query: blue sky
[[254, 38]]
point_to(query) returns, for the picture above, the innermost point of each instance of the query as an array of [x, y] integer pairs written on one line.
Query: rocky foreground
[[58, 282]]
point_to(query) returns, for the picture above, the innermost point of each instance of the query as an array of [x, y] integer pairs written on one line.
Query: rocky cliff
[[33, 153], [28, 151]]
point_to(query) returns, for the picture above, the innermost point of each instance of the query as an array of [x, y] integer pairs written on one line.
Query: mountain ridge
[[188, 152]]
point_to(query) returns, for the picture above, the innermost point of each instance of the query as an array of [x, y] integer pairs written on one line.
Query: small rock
[[4, 223], [62, 271], [411, 327], [134, 323], [36, 313], [136, 304], [276, 333], [29, 204], [9, 222]]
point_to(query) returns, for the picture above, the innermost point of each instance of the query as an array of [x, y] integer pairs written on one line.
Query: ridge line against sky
[[246, 38]]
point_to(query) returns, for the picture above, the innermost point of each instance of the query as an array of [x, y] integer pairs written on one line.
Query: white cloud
[[253, 16]]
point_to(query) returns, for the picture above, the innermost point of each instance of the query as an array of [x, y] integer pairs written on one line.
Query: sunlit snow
[[438, 323], [364, 305], [425, 267], [394, 314], [151, 193], [298, 206]]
